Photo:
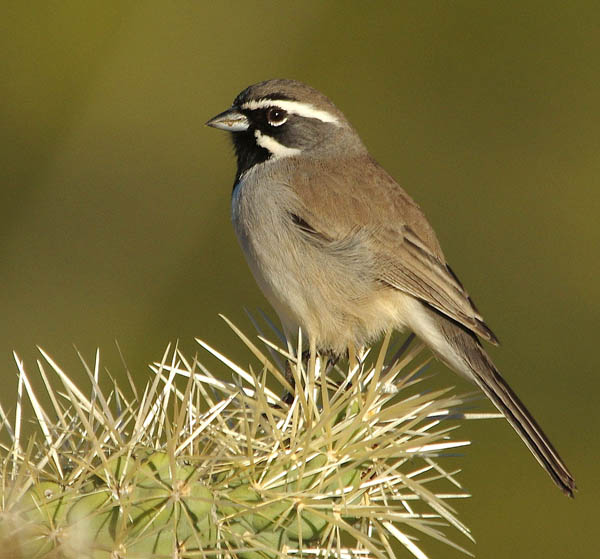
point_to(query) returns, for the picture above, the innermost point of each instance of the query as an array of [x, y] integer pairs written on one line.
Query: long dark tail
[[480, 370], [503, 397]]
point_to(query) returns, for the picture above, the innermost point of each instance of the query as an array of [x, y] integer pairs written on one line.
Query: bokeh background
[[114, 197]]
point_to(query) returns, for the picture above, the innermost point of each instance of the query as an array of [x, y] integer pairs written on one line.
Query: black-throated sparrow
[[341, 250]]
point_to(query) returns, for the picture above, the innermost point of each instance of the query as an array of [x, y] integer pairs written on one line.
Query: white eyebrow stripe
[[274, 147], [293, 107]]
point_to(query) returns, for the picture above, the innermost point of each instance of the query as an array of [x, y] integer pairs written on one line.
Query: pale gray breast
[[260, 210], [309, 281]]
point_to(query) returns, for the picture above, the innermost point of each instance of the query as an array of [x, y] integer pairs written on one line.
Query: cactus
[[200, 467]]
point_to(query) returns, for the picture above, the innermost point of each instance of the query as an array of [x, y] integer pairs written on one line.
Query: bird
[[344, 254]]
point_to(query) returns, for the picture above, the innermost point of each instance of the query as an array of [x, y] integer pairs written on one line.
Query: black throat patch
[[247, 151]]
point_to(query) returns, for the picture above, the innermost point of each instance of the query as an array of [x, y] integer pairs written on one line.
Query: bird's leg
[[331, 360], [328, 359]]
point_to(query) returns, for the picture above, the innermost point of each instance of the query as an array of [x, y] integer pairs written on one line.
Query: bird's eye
[[276, 116]]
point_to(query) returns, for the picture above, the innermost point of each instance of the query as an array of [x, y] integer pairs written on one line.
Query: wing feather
[[338, 201]]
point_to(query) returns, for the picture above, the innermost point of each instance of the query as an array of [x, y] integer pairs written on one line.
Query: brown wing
[[338, 201], [412, 268]]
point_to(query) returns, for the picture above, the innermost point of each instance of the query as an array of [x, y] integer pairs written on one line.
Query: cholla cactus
[[200, 467]]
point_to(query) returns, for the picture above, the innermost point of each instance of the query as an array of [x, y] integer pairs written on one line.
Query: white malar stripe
[[293, 107], [278, 150]]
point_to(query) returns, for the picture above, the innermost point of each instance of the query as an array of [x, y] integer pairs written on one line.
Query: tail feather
[[502, 396], [460, 349]]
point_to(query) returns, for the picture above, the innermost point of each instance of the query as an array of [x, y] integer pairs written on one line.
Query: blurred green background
[[115, 197]]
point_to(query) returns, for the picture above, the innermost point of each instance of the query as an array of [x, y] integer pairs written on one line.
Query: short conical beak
[[231, 120]]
